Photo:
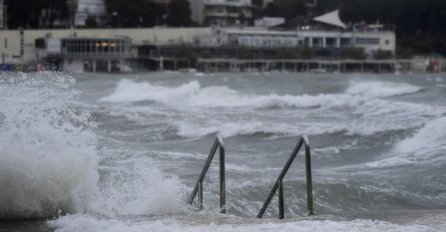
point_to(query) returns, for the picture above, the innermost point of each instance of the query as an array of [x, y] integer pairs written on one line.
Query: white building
[[369, 37], [86, 8], [2, 15], [221, 12]]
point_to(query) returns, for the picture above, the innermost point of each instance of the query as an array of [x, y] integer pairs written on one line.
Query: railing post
[[198, 188], [222, 176], [200, 195], [281, 203], [309, 177], [279, 183]]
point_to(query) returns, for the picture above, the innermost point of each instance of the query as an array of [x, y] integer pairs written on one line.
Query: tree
[[306, 52], [186, 52], [179, 13], [286, 53], [244, 53], [287, 9], [90, 22], [38, 14], [134, 13], [353, 53], [382, 55]]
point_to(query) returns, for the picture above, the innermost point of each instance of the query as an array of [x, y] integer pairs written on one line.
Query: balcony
[[236, 3]]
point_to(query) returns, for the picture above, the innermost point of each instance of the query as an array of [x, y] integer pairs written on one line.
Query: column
[[109, 65], [94, 65]]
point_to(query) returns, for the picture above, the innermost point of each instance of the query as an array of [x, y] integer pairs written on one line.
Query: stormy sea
[[122, 152]]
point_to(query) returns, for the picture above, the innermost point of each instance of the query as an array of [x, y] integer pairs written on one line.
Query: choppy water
[[108, 152]]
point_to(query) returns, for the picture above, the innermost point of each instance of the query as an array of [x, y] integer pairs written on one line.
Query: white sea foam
[[49, 160], [433, 134], [193, 98], [192, 95], [381, 89], [88, 223], [421, 147], [47, 154]]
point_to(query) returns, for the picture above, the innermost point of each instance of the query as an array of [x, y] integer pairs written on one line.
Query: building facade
[[89, 8], [221, 12], [2, 15]]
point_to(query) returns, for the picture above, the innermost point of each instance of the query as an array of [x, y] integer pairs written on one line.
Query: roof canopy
[[331, 18]]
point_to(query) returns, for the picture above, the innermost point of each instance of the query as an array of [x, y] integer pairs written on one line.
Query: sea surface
[[122, 152]]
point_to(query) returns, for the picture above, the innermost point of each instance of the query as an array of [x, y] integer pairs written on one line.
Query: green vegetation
[[90, 22], [353, 53], [420, 24], [134, 13], [306, 53], [382, 55], [244, 53], [186, 52], [178, 13], [24, 14], [286, 53], [285, 8]]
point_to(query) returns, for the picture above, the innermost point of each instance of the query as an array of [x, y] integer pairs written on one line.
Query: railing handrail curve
[[198, 188], [279, 182]]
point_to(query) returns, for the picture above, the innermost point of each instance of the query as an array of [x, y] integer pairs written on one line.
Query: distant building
[[164, 2], [2, 15], [89, 8], [221, 12], [326, 32]]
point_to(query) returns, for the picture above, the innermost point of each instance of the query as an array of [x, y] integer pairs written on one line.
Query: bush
[[353, 53]]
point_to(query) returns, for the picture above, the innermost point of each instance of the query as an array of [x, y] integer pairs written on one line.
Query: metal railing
[[218, 144], [279, 183]]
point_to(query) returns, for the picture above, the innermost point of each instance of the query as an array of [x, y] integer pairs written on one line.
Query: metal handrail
[[218, 144], [279, 183]]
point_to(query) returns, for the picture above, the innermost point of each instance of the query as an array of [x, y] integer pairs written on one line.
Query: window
[[6, 43]]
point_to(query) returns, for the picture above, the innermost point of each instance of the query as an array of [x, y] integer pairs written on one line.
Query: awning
[[331, 18]]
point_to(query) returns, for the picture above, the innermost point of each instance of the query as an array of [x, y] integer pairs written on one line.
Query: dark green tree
[[186, 52], [244, 53], [90, 22], [286, 53], [38, 14], [287, 9], [179, 13], [306, 53], [134, 13]]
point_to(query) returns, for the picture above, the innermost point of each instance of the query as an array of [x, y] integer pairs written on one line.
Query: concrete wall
[[157, 36], [10, 47]]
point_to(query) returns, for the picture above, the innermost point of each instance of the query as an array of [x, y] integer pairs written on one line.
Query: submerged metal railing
[[279, 183], [218, 144]]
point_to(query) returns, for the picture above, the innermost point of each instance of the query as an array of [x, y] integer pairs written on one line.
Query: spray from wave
[[192, 95], [47, 154], [49, 158], [380, 89], [424, 146]]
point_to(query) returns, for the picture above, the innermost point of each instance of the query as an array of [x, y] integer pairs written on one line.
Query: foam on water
[[381, 89], [192, 95], [88, 223], [216, 105], [49, 158], [423, 146], [47, 154]]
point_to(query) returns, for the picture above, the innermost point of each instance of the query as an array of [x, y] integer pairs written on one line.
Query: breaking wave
[[428, 144], [47, 151], [381, 89], [49, 160], [192, 95]]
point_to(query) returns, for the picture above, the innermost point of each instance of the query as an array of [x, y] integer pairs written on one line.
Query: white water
[[47, 154], [116, 166], [49, 161]]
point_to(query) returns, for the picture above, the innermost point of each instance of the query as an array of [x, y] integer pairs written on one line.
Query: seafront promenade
[[319, 65]]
